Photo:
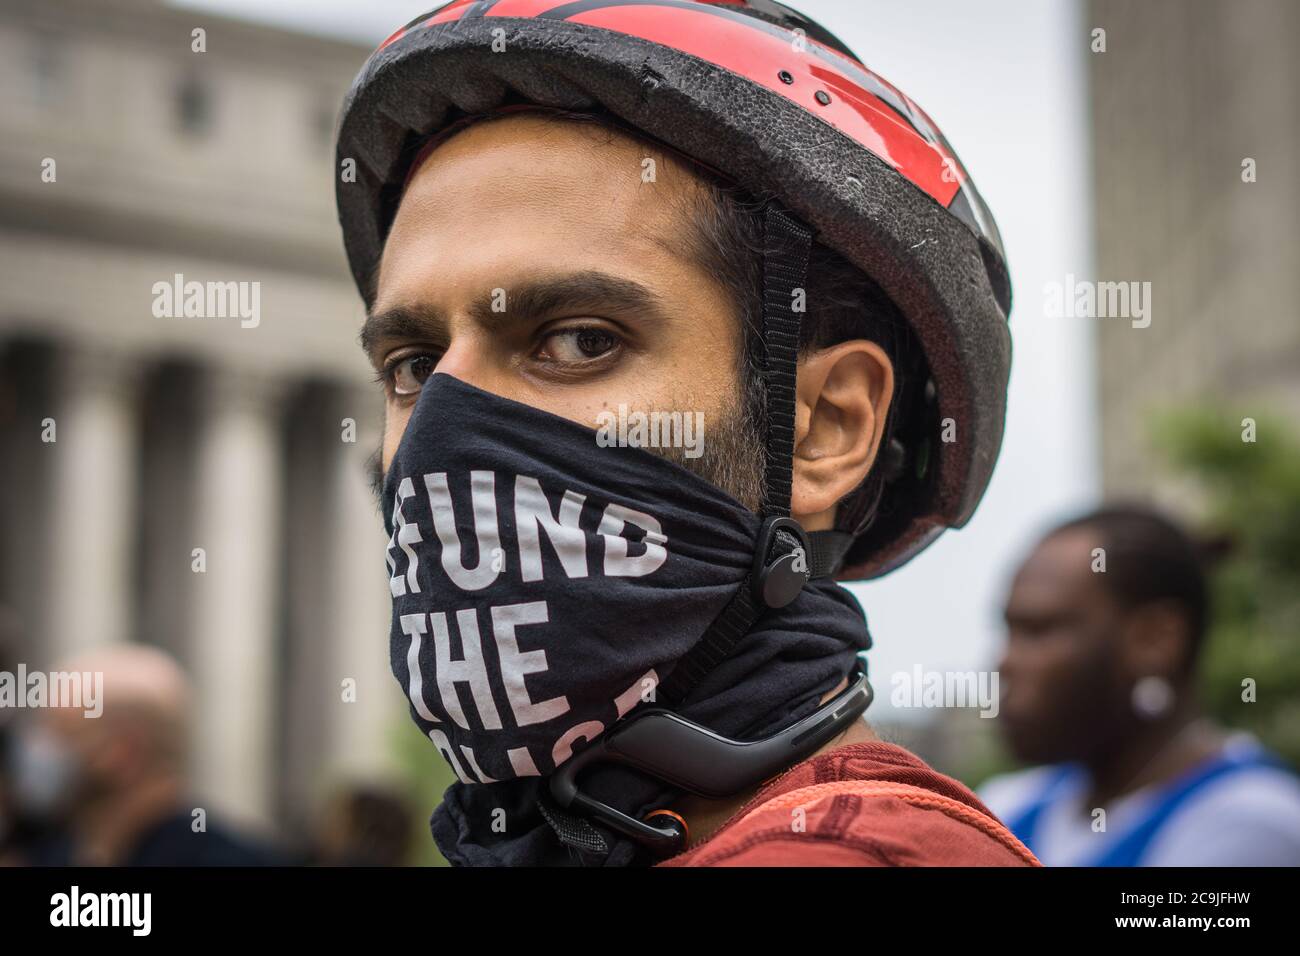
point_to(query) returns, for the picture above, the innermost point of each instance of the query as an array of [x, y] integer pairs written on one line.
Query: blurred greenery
[[986, 755], [1251, 502], [427, 776]]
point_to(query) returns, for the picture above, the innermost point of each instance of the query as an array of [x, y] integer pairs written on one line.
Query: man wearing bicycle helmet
[[681, 314]]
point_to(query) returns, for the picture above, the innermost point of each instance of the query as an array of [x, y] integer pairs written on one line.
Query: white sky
[[1006, 84]]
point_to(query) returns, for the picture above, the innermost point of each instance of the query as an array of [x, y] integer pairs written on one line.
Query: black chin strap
[[785, 267], [828, 551], [785, 270]]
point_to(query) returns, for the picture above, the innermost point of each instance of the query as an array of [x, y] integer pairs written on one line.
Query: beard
[[731, 458]]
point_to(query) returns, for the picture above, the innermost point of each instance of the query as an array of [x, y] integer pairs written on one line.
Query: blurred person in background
[[1105, 622], [366, 825], [114, 787]]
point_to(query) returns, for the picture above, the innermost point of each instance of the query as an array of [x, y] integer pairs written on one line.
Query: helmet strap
[[777, 576], [786, 246]]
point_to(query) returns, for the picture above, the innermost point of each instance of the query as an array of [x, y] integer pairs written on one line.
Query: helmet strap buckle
[[782, 562]]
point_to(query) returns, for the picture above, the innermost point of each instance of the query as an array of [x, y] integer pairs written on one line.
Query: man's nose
[[463, 360]]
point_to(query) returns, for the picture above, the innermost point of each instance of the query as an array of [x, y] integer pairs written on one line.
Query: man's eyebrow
[[400, 322], [532, 299], [540, 297]]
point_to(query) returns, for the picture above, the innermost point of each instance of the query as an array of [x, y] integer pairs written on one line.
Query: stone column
[[358, 604], [91, 525], [236, 593]]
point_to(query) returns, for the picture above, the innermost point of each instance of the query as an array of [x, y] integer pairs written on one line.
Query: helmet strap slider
[[782, 563]]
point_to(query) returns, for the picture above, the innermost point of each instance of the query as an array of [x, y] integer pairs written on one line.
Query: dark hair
[[1150, 559]]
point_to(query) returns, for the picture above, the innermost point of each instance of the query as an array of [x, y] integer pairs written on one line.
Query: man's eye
[[573, 346], [407, 376]]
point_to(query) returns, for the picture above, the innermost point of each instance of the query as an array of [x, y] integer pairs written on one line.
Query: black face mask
[[544, 585]]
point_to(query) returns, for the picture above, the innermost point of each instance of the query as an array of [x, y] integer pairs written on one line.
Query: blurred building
[[129, 158], [1185, 93]]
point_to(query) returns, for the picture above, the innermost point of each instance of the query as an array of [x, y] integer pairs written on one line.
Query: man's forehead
[[549, 157], [526, 194]]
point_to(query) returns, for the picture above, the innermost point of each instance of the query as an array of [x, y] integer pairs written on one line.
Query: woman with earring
[[1105, 622]]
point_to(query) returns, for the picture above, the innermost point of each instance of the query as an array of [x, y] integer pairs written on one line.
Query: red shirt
[[865, 804]]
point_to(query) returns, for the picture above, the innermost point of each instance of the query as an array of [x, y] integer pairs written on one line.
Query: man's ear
[[841, 405]]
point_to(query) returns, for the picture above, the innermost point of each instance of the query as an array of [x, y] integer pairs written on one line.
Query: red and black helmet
[[780, 107]]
